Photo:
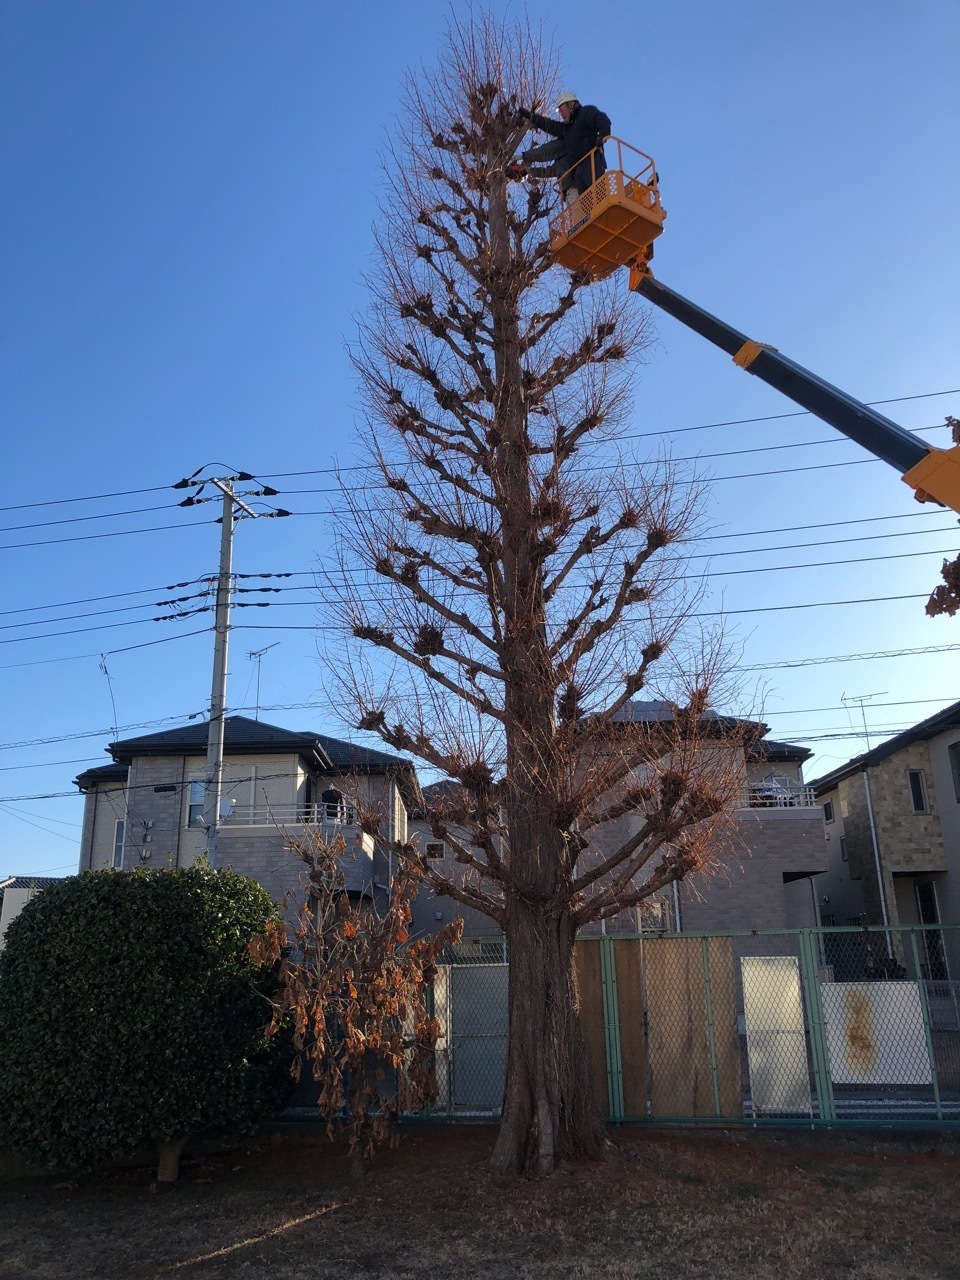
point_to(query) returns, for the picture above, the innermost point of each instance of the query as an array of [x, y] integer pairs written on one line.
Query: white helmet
[[566, 96]]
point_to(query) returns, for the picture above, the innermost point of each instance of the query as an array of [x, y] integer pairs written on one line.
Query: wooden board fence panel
[[587, 958], [633, 1051], [681, 1075]]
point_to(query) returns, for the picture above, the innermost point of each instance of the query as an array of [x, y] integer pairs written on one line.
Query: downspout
[[876, 861], [677, 923], [178, 811]]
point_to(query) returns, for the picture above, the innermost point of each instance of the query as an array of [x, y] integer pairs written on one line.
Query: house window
[[435, 850], [197, 804], [118, 844], [954, 753], [918, 791], [828, 810], [843, 848]]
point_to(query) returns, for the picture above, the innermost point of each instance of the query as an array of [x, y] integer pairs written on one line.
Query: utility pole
[[213, 776]]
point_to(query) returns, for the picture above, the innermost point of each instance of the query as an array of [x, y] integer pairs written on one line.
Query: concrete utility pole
[[213, 777]]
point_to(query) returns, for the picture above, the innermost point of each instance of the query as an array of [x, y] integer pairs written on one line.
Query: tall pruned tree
[[515, 582]]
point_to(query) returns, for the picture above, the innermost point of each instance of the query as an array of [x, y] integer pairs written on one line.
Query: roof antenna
[[256, 655], [861, 698]]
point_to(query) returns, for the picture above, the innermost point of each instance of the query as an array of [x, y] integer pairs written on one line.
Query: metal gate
[[470, 1000]]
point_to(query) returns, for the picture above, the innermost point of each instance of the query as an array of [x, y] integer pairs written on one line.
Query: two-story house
[[147, 806], [891, 818], [764, 876]]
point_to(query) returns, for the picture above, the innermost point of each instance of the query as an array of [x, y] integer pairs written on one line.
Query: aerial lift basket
[[614, 221]]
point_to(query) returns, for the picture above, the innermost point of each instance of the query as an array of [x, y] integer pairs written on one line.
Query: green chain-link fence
[[807, 1026]]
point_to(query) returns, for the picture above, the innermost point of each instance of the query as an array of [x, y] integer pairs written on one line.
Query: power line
[[114, 533], [696, 457], [78, 657], [129, 493], [714, 537], [100, 733], [50, 764], [107, 626], [116, 595], [282, 475], [181, 614], [102, 515], [851, 657], [703, 426], [720, 613], [907, 702], [99, 613]]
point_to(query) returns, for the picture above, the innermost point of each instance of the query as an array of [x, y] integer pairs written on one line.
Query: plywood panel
[[587, 958], [681, 1076]]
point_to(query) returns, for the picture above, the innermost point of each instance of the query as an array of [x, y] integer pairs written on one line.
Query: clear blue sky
[[189, 195]]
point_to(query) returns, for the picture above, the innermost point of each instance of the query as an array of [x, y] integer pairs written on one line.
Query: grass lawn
[[681, 1205]]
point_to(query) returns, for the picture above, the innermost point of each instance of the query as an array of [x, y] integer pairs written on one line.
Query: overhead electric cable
[[103, 515], [114, 533], [78, 657], [281, 475], [107, 626]]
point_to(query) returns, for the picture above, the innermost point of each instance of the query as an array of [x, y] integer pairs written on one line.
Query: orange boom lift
[[614, 223]]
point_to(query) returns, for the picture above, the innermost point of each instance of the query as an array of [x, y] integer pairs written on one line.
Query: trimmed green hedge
[[131, 1012]]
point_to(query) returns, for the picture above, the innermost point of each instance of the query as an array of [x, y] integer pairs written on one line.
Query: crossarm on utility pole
[[932, 473]]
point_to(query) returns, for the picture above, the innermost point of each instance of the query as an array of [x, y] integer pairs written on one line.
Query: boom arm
[[932, 473]]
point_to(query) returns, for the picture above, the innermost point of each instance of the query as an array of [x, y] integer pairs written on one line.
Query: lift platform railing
[[611, 223]]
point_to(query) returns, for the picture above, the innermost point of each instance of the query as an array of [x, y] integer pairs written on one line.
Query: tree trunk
[[549, 1111], [168, 1162]]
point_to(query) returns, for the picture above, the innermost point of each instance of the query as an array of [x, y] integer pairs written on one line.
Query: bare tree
[[514, 584]]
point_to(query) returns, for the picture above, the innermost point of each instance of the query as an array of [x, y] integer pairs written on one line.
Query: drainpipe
[[677, 926], [876, 861]]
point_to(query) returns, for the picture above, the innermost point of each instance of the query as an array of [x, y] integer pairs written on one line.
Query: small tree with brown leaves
[[521, 579], [353, 986]]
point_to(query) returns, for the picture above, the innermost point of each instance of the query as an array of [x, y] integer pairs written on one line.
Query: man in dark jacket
[[579, 131]]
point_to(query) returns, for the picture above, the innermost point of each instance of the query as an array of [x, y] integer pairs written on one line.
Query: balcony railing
[[295, 815], [778, 795]]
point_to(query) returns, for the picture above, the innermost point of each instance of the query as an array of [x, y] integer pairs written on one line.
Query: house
[[15, 893], [891, 818], [147, 806], [765, 876]]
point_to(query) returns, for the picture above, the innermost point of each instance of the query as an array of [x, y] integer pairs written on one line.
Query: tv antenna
[[256, 655], [859, 699]]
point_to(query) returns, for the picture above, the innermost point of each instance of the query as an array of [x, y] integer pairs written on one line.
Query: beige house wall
[[14, 900], [105, 807], [158, 834]]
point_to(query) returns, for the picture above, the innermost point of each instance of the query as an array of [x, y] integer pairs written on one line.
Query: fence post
[[818, 1039], [711, 1037], [927, 1031], [611, 1028]]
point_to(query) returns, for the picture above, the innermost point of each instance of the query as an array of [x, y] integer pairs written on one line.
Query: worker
[[579, 131]]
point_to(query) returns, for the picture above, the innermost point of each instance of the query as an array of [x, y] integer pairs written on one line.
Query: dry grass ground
[[723, 1206]]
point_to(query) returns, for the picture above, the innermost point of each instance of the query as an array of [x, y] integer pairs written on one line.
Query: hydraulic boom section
[[614, 223], [934, 474]]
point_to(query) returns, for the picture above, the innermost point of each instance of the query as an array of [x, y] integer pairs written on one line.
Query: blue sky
[[190, 195]]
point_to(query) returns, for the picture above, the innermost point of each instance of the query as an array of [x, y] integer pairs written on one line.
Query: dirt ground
[[728, 1206]]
